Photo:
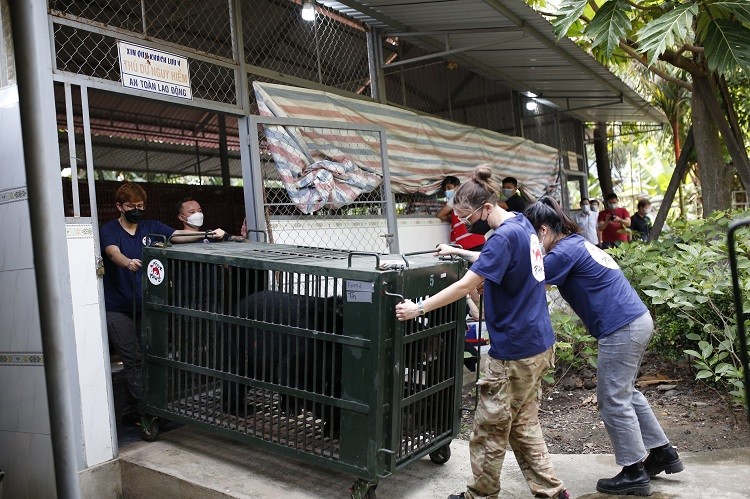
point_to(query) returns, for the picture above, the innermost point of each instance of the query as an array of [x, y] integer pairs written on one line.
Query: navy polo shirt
[[119, 281], [593, 284], [514, 296]]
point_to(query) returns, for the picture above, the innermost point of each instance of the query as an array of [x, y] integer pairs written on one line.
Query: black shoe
[[456, 496], [632, 480], [562, 495], [663, 458]]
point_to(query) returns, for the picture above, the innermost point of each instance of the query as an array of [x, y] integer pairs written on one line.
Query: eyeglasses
[[139, 206], [465, 220]]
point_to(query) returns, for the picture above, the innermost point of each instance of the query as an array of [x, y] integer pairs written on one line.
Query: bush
[[684, 279]]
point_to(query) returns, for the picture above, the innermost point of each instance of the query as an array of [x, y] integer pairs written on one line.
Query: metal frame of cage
[[259, 207], [402, 381]]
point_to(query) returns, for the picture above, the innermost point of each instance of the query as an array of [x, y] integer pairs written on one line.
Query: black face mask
[[479, 227], [134, 216]]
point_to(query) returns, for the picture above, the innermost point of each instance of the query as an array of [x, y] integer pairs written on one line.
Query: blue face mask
[[449, 194]]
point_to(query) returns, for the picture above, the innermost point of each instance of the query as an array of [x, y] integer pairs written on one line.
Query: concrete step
[[189, 463]]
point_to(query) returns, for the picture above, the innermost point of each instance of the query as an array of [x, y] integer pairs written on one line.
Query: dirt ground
[[695, 417]]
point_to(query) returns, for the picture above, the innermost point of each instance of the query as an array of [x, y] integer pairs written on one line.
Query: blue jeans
[[630, 422]]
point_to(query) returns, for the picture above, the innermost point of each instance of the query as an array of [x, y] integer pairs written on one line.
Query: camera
[[611, 217]]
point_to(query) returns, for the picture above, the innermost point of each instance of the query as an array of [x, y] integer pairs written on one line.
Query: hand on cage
[[406, 310]]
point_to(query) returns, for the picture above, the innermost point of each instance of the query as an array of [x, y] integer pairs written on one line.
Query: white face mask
[[195, 220], [611, 206], [594, 208], [449, 194], [508, 192], [541, 243], [585, 208]]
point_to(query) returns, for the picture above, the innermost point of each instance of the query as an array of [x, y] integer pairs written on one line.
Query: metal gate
[[292, 168], [742, 316]]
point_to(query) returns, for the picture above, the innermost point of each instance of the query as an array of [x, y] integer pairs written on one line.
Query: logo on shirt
[[155, 272], [601, 257], [537, 258]]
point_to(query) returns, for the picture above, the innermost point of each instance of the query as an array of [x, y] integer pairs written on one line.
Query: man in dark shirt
[[514, 201], [122, 241], [640, 222]]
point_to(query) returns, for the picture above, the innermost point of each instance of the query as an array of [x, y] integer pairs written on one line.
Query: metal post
[[42, 159]]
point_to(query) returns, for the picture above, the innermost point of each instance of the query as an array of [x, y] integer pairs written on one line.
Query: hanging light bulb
[[531, 105], [308, 10]]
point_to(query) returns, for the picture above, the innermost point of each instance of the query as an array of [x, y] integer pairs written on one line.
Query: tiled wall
[[25, 445]]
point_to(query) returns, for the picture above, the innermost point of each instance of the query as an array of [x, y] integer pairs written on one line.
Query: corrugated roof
[[511, 43]]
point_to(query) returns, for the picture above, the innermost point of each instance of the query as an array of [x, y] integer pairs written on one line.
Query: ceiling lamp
[[308, 10], [532, 105]]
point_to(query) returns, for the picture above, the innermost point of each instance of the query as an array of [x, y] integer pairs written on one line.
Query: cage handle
[[169, 242], [364, 253], [163, 238], [265, 236], [442, 257]]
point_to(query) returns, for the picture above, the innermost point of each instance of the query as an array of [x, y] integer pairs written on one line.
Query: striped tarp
[[422, 150]]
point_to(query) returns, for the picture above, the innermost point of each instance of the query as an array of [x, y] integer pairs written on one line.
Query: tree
[[708, 39]]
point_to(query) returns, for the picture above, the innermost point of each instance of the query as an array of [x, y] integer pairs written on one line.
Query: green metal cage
[[297, 349]]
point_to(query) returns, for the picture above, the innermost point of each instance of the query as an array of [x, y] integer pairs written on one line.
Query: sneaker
[[632, 480], [663, 458]]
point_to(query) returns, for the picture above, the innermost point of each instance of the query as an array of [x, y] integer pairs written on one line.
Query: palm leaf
[[610, 25], [727, 46], [740, 8], [569, 13], [655, 37]]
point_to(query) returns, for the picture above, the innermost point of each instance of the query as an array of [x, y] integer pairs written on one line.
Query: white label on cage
[[155, 272], [360, 286], [359, 296], [443, 275]]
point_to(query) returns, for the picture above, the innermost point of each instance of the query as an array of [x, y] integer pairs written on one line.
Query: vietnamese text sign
[[154, 71]]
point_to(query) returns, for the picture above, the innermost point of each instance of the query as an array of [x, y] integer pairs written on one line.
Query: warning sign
[[154, 71]]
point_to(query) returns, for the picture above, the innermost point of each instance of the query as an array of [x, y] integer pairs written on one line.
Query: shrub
[[684, 278]]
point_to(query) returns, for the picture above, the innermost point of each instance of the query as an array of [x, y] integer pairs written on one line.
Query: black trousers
[[125, 335]]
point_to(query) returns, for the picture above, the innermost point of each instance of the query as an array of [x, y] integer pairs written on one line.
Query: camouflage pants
[[508, 413]]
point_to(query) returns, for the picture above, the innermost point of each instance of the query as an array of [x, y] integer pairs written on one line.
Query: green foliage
[[610, 24], [685, 280], [575, 347], [722, 27], [655, 37], [727, 46]]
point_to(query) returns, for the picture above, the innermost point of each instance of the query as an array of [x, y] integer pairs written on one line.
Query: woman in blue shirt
[[597, 290], [510, 265]]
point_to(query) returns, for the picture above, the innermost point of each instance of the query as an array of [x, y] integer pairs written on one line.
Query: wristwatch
[[420, 307]]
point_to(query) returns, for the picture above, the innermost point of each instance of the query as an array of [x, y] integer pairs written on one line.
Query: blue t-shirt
[[593, 284], [118, 281], [514, 296]]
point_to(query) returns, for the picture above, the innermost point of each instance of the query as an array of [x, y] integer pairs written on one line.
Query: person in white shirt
[[586, 220]]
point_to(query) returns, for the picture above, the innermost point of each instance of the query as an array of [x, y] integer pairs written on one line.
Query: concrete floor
[[186, 462]]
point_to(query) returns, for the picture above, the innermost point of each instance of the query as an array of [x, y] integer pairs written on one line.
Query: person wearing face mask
[[122, 241], [189, 212], [459, 233], [586, 220], [613, 223], [521, 341], [592, 283], [514, 201], [641, 222]]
